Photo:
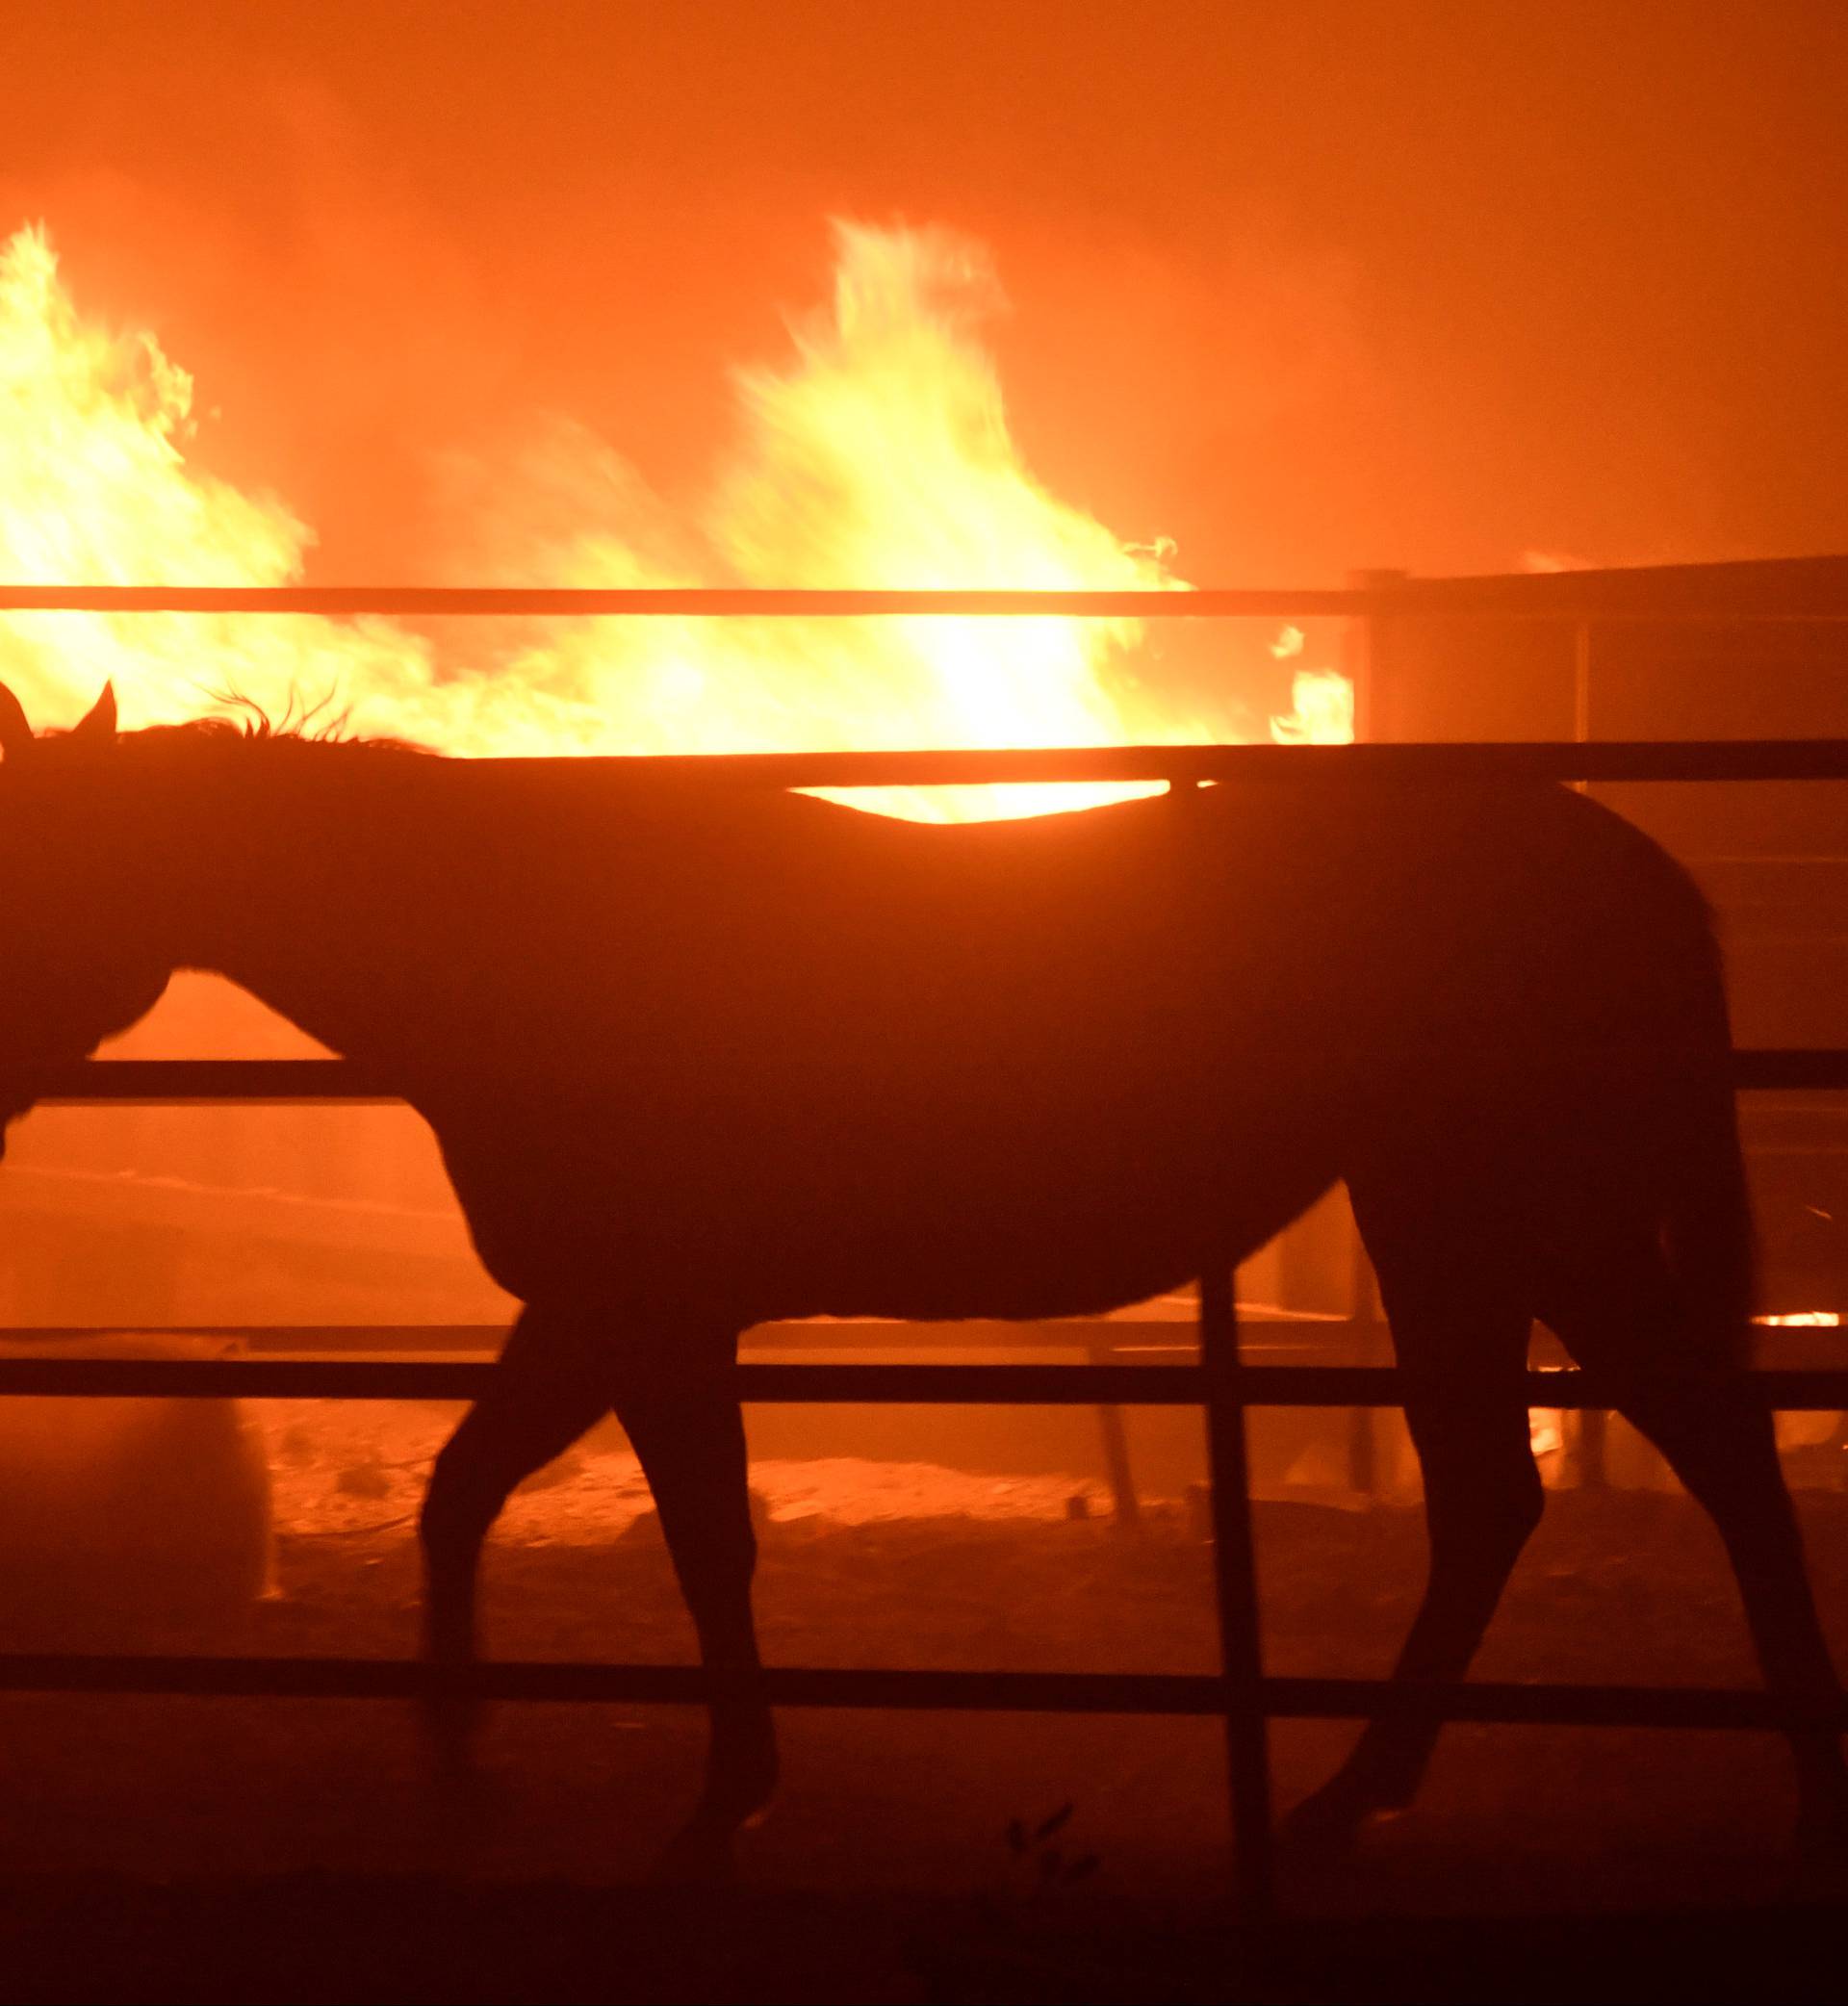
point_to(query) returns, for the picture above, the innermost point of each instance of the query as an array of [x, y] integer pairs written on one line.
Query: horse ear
[[15, 727], [97, 725]]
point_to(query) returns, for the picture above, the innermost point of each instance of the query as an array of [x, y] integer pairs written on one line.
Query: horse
[[702, 1058]]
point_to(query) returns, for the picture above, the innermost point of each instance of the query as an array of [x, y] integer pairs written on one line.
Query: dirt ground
[[889, 1824]]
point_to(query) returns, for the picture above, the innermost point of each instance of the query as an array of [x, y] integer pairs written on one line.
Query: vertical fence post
[[1363, 1316], [1235, 1577], [1121, 1476], [1367, 661], [1581, 693], [1581, 683], [1587, 1426]]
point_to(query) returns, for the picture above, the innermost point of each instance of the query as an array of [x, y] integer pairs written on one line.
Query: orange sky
[[1303, 286]]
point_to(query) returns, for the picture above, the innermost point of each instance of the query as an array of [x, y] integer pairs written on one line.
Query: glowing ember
[[356, 1467], [880, 457]]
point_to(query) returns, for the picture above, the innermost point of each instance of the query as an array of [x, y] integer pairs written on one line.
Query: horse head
[[76, 963]]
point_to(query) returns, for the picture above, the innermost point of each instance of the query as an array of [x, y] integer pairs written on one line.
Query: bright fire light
[[879, 456]]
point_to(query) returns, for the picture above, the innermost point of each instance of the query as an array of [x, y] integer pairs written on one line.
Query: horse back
[[775, 1037]]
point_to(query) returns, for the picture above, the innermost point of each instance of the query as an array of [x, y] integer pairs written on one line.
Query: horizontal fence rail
[[1195, 1694], [1804, 590], [1410, 766], [680, 601], [847, 1385], [1144, 1336], [307, 1082], [1414, 765]]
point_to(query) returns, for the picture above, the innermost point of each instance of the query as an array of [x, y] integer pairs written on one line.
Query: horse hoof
[[1333, 1820], [1320, 1830], [740, 1775]]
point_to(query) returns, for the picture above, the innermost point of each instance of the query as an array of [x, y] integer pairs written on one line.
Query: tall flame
[[880, 456], [95, 489]]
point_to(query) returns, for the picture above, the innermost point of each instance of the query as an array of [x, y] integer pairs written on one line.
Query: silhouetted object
[[119, 1516], [697, 1060]]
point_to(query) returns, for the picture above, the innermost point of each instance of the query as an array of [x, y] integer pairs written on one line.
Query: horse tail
[[1706, 1215]]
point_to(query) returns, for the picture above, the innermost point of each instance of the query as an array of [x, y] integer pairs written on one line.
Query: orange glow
[[879, 456]]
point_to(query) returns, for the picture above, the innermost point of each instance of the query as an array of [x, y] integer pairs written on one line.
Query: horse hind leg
[[1615, 1307], [1460, 1333]]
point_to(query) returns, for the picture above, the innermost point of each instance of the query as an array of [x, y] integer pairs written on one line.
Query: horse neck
[[286, 870]]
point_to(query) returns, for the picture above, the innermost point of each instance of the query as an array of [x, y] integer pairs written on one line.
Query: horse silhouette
[[699, 1060]]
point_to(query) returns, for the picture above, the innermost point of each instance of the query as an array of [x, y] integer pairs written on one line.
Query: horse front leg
[[678, 1401], [550, 1385], [1719, 1439]]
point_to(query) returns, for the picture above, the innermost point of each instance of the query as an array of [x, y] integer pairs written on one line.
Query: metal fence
[[1220, 1381]]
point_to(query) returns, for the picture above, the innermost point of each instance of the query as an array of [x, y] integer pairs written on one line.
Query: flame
[[1322, 710], [879, 456], [96, 490]]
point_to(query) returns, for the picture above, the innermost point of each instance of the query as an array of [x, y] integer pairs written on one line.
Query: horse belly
[[971, 1208]]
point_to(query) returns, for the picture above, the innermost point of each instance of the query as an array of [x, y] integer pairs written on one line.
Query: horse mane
[[320, 724]]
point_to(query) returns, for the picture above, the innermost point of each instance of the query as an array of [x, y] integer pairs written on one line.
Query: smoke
[[1302, 293], [365, 313]]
